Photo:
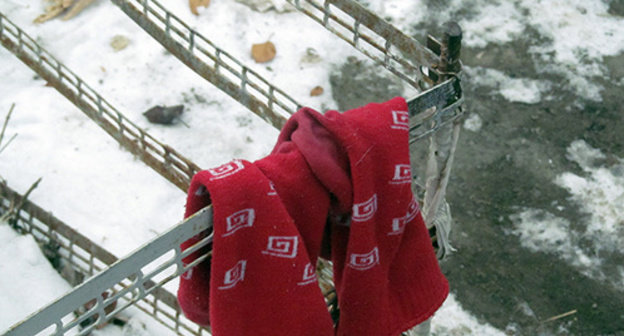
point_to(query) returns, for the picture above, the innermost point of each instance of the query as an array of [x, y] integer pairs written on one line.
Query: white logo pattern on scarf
[[226, 170], [282, 246], [234, 275], [309, 275], [402, 174], [365, 210], [272, 192], [398, 224], [239, 220], [364, 261], [400, 120]]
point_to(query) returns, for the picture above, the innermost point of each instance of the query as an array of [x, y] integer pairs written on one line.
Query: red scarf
[[345, 177]]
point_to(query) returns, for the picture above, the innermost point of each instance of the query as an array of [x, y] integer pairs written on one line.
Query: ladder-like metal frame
[[76, 258], [138, 277]]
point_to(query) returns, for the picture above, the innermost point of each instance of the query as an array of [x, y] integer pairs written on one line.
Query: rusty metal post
[[442, 148], [451, 49]]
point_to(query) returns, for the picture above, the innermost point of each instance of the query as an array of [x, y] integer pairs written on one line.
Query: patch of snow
[[24, 270], [473, 123], [574, 36], [499, 22], [575, 44], [584, 155], [516, 90], [453, 319], [539, 230], [600, 195]]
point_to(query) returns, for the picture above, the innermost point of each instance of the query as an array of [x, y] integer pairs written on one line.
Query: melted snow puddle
[[599, 193]]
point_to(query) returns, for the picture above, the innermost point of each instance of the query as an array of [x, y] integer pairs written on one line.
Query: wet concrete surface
[[616, 7], [508, 165]]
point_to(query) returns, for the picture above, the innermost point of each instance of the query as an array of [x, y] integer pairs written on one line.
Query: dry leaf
[[51, 12], [93, 319], [119, 42], [263, 52], [311, 56], [198, 3], [57, 7], [163, 115], [78, 7], [317, 91]]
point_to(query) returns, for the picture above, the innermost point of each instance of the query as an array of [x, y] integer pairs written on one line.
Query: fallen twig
[[8, 142], [6, 122], [560, 316], [15, 210]]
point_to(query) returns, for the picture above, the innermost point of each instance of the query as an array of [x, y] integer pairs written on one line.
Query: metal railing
[[211, 62], [134, 283], [83, 256], [432, 109], [162, 158], [78, 258], [375, 38]]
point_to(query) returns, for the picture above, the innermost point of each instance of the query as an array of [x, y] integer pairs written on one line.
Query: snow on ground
[[568, 38], [103, 191], [452, 319], [517, 90], [599, 193], [32, 273], [24, 269], [119, 203]]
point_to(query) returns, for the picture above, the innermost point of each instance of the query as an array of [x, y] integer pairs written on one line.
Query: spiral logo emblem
[[282, 246], [226, 170], [400, 120], [402, 174], [234, 275], [309, 275], [239, 220], [365, 261], [365, 210], [398, 224]]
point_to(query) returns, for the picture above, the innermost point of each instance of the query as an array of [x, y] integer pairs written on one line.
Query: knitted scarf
[[337, 186]]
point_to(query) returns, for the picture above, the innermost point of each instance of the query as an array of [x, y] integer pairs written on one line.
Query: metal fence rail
[[162, 158], [211, 62], [429, 110], [375, 38], [84, 101], [434, 108], [137, 279], [78, 258]]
